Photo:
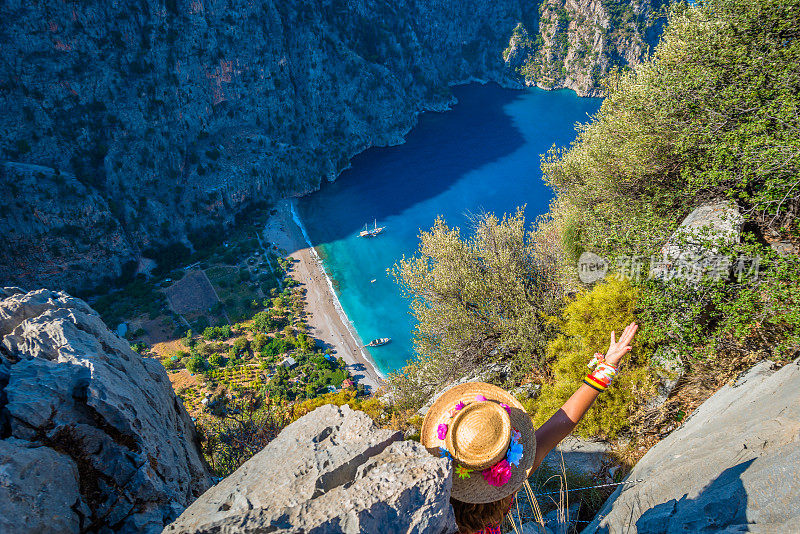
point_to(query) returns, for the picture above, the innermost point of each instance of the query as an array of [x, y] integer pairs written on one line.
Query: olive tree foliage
[[714, 113], [477, 298]]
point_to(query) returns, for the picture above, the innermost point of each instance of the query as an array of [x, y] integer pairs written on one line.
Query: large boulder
[[732, 466], [330, 471], [92, 437], [691, 251]]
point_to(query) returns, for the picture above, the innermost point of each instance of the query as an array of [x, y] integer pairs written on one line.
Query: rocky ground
[[92, 436]]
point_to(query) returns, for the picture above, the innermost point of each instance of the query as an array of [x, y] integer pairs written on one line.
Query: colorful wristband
[[602, 376]]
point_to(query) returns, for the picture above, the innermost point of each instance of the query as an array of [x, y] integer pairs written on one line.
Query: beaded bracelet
[[603, 374]]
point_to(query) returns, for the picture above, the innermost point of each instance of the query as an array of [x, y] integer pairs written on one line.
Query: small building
[[288, 362], [347, 383]]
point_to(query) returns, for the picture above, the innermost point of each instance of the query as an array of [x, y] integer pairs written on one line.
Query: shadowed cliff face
[[177, 113]]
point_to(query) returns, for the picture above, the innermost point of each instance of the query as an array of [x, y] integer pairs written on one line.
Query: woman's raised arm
[[566, 419]]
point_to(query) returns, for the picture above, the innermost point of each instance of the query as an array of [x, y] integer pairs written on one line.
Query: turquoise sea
[[483, 155]]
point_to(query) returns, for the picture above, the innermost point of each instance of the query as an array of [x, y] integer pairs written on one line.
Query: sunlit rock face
[[92, 437], [731, 466], [331, 471]]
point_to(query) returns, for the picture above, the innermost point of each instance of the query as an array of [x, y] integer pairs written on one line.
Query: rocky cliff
[[731, 467], [331, 471], [178, 113], [573, 44], [92, 437], [56, 231]]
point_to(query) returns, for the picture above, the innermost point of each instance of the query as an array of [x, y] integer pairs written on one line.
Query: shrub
[[216, 360], [585, 325], [487, 293], [196, 364]]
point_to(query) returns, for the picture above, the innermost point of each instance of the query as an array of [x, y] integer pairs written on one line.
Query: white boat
[[378, 342], [366, 232]]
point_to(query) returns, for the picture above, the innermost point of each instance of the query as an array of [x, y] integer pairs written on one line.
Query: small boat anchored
[[378, 342], [366, 232]]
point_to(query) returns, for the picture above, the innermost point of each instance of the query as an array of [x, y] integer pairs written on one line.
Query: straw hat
[[480, 421]]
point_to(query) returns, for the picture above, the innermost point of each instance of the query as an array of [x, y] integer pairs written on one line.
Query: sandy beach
[[324, 319]]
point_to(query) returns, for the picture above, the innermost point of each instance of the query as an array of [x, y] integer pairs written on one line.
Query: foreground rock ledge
[[92, 437], [330, 471], [732, 467]]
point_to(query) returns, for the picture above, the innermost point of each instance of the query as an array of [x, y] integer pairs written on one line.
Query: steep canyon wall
[[157, 117]]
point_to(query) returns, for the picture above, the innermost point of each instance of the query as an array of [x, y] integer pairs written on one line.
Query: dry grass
[[192, 293]]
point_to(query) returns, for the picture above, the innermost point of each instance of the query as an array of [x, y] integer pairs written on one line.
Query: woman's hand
[[620, 348]]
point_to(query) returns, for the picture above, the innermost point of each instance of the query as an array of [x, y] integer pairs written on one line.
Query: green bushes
[[217, 332], [715, 114], [485, 294], [584, 326], [196, 364]]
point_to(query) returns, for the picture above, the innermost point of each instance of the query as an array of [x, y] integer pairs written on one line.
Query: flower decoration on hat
[[514, 454], [498, 474], [441, 431], [463, 472], [444, 453]]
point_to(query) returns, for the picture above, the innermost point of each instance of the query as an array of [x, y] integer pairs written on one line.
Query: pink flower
[[506, 406], [459, 406], [441, 431], [479, 398], [498, 474]]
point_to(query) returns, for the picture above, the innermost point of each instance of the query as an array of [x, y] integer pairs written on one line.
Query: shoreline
[[326, 319]]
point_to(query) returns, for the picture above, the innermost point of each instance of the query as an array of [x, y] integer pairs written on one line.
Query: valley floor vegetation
[[227, 321], [712, 116]]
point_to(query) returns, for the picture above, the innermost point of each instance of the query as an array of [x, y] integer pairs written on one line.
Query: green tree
[[216, 360], [196, 364], [475, 298]]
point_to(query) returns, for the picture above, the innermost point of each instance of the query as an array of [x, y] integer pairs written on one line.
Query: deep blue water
[[484, 155]]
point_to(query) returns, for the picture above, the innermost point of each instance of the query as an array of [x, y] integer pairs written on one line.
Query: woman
[[492, 442]]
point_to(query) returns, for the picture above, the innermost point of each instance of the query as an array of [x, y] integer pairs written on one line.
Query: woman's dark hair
[[475, 517]]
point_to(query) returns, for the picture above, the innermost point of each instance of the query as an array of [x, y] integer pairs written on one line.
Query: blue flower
[[444, 453], [514, 454]]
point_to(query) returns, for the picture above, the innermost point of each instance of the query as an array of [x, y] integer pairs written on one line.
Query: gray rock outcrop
[[92, 437], [580, 456], [732, 466], [691, 250], [330, 471]]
